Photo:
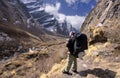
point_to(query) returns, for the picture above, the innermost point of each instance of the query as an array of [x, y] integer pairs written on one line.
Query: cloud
[[71, 2], [92, 6], [76, 21], [85, 1], [61, 17], [53, 9]]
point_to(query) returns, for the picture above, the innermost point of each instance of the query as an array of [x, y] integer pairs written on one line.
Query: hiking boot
[[75, 71], [66, 72]]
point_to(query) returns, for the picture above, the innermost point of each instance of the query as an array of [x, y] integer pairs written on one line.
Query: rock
[[85, 65], [1, 72], [91, 76], [103, 19], [11, 66]]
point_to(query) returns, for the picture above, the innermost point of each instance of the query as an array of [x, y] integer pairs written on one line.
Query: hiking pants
[[71, 60]]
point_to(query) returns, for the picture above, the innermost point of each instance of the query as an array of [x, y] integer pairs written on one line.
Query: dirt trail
[[100, 66], [85, 70]]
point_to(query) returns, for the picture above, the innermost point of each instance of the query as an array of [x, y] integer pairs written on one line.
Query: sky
[[74, 11]]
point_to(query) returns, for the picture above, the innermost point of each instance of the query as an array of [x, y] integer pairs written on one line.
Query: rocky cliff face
[[102, 24]]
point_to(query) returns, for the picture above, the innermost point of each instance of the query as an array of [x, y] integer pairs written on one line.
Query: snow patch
[[1, 38], [51, 29], [28, 1], [17, 22], [30, 22], [4, 37], [45, 23], [84, 65], [49, 19], [3, 34], [20, 47], [32, 6], [4, 19], [36, 10], [95, 53], [100, 24]]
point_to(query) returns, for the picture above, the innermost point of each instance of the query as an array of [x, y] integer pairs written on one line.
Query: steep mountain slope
[[17, 33], [102, 27], [102, 23], [12, 12], [47, 20]]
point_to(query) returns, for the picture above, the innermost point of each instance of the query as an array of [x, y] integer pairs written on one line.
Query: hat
[[71, 33]]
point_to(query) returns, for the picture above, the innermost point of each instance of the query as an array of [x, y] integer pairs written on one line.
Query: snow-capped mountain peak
[[47, 20]]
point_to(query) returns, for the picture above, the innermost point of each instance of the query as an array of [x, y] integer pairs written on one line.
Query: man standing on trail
[[71, 58], [76, 44]]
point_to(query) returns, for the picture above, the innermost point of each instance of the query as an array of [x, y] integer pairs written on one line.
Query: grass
[[31, 65], [56, 69], [36, 63]]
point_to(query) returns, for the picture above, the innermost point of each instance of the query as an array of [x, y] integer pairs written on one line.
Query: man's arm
[[68, 43]]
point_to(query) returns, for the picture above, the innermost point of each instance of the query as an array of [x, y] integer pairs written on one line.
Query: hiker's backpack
[[81, 43]]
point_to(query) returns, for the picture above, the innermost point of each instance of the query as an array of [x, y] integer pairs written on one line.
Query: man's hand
[[68, 52]]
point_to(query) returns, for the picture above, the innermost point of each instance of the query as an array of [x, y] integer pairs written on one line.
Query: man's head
[[72, 33]]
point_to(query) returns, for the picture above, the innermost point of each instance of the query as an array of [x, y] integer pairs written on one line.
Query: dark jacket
[[70, 45], [77, 44]]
